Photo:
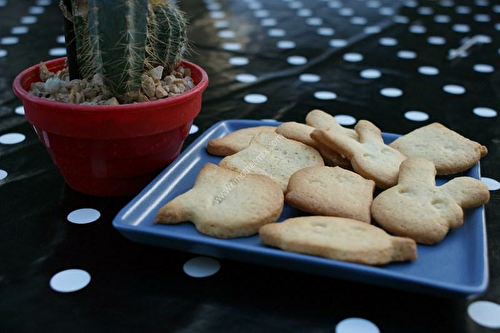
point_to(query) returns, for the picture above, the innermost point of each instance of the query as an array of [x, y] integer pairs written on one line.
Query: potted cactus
[[117, 110]]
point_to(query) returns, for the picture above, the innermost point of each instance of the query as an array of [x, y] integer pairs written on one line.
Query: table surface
[[355, 50]]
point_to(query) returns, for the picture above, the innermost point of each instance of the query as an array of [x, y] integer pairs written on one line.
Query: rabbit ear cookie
[[235, 141], [419, 209], [226, 204], [370, 156]]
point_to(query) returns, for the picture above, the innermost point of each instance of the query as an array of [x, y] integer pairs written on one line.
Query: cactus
[[120, 39]]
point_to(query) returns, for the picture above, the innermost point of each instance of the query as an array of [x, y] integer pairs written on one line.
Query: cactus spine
[[120, 39]]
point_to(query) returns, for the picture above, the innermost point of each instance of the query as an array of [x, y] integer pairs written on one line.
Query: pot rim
[[55, 105]]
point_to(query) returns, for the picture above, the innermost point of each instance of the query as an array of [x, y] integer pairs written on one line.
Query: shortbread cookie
[[419, 209], [338, 238], [225, 204], [331, 192], [370, 157], [273, 155], [302, 133], [322, 120], [449, 151], [235, 141]]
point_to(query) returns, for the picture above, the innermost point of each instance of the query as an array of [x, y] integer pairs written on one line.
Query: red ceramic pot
[[111, 150]]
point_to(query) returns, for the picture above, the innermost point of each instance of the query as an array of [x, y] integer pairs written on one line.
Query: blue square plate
[[457, 266]]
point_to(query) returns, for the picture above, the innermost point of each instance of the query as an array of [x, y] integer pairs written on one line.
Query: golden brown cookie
[[225, 204], [273, 155], [331, 192], [370, 157], [449, 151], [338, 238], [302, 133], [419, 209], [235, 141]]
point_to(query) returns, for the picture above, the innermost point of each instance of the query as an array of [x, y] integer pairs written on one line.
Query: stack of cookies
[[331, 172]]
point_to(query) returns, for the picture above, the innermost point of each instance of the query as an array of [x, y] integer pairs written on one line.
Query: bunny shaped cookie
[[419, 209], [370, 157]]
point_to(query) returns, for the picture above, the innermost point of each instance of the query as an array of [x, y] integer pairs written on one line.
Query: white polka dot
[[246, 78], [9, 40], [462, 28], [3, 3], [314, 21], [388, 41], [453, 54], [386, 11], [231, 46], [353, 57], [497, 26], [483, 39], [304, 12], [358, 20], [3, 174], [428, 70], [484, 112], [43, 2], [3, 53], [214, 6], [84, 216], [19, 110], [217, 14], [70, 280], [405, 54], [454, 89], [21, 30], [442, 19], [261, 13], [401, 19], [296, 5], [485, 313], [484, 68], [463, 10], [268, 22], [221, 24], [338, 42], [57, 51], [417, 29], [482, 18], [425, 10], [391, 92], [345, 120], [492, 184], [325, 95], [226, 34], [356, 325], [255, 5], [306, 77], [201, 267], [496, 9], [335, 4], [373, 4], [12, 138], [286, 44], [370, 74], [446, 3], [238, 61], [296, 60], [325, 31], [372, 30], [276, 32], [346, 12], [193, 129], [416, 115], [436, 40], [255, 98], [411, 3], [36, 10], [28, 19]]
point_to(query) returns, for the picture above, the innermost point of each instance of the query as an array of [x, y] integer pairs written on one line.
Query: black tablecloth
[[138, 288]]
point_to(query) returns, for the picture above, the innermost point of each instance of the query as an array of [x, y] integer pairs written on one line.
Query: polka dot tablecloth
[[401, 64]]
